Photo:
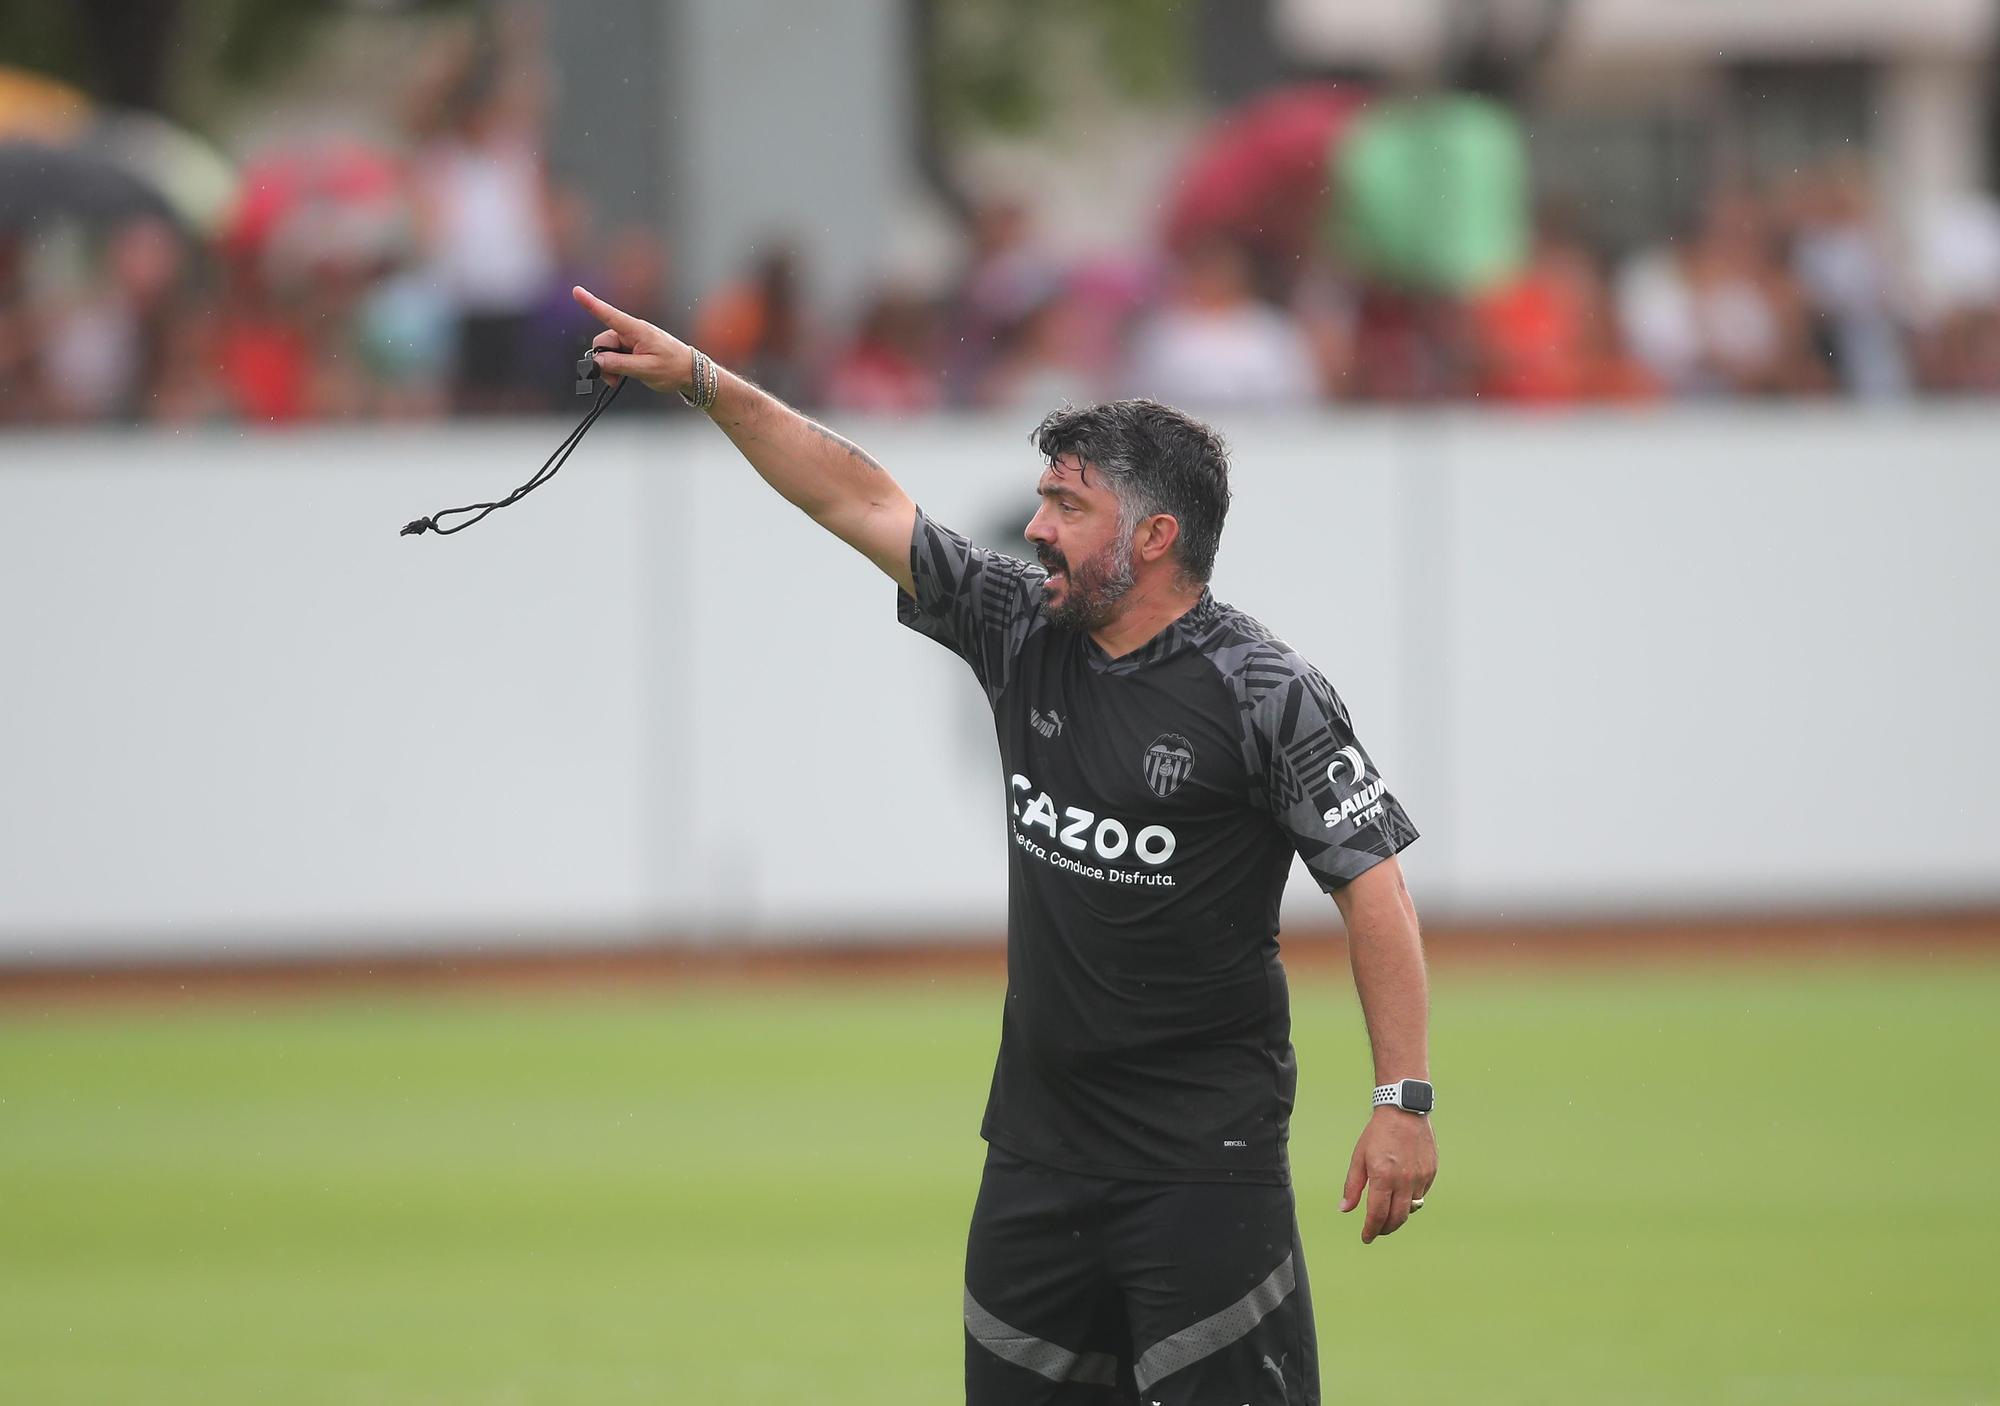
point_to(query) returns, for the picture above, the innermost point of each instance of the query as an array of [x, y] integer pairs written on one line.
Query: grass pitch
[[1746, 1185]]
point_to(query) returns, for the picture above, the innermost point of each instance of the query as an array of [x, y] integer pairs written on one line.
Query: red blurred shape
[[331, 175], [1262, 173]]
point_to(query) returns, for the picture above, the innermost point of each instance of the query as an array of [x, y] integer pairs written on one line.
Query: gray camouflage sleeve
[[1313, 775], [981, 605]]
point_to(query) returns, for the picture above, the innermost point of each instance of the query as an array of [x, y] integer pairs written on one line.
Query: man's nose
[[1037, 530]]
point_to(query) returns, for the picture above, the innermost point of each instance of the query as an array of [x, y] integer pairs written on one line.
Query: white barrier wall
[[1668, 662]]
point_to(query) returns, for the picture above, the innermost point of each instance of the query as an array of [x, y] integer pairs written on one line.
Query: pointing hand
[[654, 358]]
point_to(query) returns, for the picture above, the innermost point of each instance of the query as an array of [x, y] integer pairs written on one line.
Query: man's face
[[1081, 545]]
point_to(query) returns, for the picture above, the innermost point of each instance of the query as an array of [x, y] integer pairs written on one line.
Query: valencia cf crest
[[1169, 762]]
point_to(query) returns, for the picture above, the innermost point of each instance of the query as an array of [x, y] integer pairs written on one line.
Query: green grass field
[[1757, 1184]]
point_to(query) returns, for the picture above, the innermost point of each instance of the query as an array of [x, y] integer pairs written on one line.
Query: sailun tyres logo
[[1363, 801]]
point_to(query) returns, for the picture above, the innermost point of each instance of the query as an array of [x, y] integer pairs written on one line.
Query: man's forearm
[[834, 482], [828, 477], [1386, 951], [1395, 1159]]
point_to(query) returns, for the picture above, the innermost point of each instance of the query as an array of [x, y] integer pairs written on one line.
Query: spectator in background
[[1041, 358], [1008, 282], [1721, 314], [1963, 353], [1657, 309], [887, 368], [1550, 336], [1612, 373], [558, 330], [106, 348], [636, 268], [1407, 346], [319, 226], [1849, 286], [23, 389], [1215, 345], [1530, 332], [1758, 331], [1328, 310], [484, 214], [24, 394], [1957, 287], [631, 266], [189, 390], [332, 294], [263, 353], [404, 333], [758, 325], [326, 296], [635, 264]]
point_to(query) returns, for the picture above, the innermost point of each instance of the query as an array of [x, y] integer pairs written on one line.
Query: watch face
[[1417, 1096]]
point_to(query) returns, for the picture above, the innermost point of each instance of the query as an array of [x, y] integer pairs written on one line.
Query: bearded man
[[1135, 1236]]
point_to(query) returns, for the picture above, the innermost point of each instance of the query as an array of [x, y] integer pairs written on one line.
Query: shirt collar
[[1180, 633]]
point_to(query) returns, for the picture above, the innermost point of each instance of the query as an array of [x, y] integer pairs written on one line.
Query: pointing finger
[[621, 322]]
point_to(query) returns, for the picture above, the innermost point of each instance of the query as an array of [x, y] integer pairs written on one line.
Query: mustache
[[1052, 561]]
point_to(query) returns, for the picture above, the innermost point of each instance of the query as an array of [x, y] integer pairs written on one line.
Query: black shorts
[[1084, 1291]]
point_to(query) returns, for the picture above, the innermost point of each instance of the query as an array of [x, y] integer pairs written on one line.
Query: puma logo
[[1277, 1369]]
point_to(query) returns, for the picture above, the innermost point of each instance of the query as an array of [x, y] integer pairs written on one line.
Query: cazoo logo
[[1365, 804], [1085, 831]]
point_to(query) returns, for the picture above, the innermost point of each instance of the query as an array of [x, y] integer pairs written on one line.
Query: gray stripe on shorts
[[1038, 1355], [1216, 1331]]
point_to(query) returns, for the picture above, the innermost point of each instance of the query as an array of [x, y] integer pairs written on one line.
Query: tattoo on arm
[[855, 451]]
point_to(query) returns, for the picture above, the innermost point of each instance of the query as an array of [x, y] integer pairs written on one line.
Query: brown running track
[[669, 964]]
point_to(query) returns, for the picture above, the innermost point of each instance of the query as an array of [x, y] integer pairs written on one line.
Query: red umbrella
[[1261, 172], [322, 186]]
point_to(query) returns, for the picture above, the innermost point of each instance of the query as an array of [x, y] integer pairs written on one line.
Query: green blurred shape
[[1749, 1185], [1432, 194]]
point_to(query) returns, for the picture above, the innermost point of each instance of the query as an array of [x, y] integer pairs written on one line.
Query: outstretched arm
[[832, 480], [1396, 1158]]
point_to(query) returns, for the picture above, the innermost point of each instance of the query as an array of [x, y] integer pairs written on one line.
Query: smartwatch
[[1410, 1095]]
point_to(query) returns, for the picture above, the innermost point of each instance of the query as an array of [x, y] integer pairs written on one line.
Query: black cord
[[549, 469]]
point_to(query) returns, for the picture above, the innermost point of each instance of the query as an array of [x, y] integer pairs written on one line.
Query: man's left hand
[[1396, 1161]]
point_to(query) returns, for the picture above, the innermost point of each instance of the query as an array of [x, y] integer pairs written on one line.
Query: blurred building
[[1638, 105]]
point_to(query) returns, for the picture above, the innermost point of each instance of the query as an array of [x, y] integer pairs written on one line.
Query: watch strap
[[1391, 1096]]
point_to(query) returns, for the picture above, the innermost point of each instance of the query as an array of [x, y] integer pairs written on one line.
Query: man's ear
[[1157, 535]]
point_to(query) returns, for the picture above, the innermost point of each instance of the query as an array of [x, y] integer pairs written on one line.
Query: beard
[[1093, 587]]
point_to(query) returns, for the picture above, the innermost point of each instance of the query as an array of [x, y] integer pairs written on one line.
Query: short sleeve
[[1313, 775], [980, 605]]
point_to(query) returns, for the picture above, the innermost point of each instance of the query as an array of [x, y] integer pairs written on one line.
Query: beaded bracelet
[[707, 382]]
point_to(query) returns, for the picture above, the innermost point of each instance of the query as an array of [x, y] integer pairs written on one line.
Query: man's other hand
[[640, 350], [1396, 1160]]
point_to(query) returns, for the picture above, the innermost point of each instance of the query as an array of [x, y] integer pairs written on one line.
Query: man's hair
[[1156, 460]]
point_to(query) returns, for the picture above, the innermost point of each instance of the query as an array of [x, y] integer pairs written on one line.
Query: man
[[1165, 756]]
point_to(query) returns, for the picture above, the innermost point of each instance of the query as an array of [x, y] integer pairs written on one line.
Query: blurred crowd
[[352, 283]]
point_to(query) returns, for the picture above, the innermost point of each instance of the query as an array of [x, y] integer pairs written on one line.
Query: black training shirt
[[1154, 803]]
